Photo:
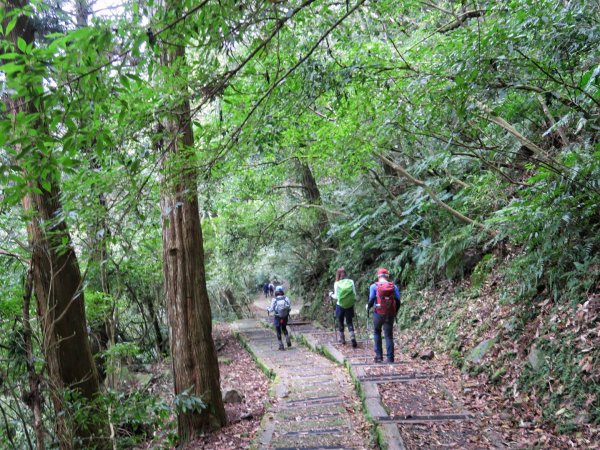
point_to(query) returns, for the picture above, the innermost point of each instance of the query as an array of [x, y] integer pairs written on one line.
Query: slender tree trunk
[[34, 396], [56, 277], [195, 365], [159, 340], [313, 197]]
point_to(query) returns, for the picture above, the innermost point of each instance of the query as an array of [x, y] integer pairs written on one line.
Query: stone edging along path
[[389, 436], [408, 400], [314, 405]]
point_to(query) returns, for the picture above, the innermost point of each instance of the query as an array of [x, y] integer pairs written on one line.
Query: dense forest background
[[158, 151]]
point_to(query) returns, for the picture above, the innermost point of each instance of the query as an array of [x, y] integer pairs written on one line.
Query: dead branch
[[461, 20]]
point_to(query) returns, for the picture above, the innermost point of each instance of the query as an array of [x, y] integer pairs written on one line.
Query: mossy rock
[[476, 355], [535, 358]]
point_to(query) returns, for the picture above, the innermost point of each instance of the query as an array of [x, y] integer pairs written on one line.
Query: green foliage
[[122, 350], [185, 402], [458, 105], [482, 270], [136, 416], [98, 306]]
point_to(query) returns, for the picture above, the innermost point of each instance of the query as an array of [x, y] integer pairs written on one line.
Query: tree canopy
[[443, 140]]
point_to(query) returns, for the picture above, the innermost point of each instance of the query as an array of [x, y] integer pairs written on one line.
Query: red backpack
[[386, 299]]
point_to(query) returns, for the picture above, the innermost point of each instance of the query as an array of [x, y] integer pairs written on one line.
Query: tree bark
[[56, 276], [195, 365], [313, 194], [159, 340], [33, 398]]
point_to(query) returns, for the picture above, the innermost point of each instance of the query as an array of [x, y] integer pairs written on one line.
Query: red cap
[[382, 272]]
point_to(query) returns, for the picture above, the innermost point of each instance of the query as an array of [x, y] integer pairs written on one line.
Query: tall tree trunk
[[56, 276], [195, 365], [313, 194]]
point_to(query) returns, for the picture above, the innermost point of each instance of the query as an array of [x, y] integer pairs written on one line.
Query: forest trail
[[313, 401], [414, 403]]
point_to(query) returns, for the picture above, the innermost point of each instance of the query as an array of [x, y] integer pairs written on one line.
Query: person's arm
[[372, 295], [335, 291], [272, 307], [354, 289], [397, 297]]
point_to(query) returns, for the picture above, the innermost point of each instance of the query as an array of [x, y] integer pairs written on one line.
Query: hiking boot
[[354, 343], [390, 360], [281, 347], [288, 341], [342, 338], [378, 359]]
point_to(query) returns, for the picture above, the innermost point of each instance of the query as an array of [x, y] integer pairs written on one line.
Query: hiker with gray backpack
[[384, 298], [344, 292], [281, 306]]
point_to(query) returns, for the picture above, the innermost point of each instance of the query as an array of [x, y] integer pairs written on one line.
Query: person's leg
[[388, 330], [339, 315], [350, 323], [278, 330], [283, 323], [377, 324]]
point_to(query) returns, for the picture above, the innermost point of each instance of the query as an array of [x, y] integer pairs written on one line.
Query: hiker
[[281, 306], [266, 289], [344, 292], [271, 289], [384, 298]]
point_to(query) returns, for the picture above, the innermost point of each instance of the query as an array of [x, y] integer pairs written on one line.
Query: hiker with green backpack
[[344, 292]]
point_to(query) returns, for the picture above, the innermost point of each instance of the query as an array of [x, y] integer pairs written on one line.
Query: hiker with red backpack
[[384, 298], [344, 292]]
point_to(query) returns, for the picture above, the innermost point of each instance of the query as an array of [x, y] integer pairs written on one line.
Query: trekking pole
[[335, 337]]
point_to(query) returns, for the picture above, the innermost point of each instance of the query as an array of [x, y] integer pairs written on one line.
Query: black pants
[[280, 326], [346, 314]]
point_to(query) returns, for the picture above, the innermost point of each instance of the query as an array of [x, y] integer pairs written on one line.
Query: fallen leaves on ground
[[238, 371]]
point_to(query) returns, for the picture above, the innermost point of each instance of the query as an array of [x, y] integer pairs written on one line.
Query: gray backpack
[[282, 307]]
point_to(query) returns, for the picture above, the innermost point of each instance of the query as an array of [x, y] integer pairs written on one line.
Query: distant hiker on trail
[[344, 292], [281, 306], [384, 296], [266, 290], [271, 289]]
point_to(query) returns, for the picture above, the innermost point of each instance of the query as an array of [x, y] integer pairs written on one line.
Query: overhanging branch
[[403, 172]]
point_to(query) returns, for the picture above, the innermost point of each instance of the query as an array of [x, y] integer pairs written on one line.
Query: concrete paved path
[[314, 404]]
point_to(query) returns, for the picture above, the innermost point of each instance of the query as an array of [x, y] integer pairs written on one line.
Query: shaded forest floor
[[238, 371], [495, 346], [502, 423]]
